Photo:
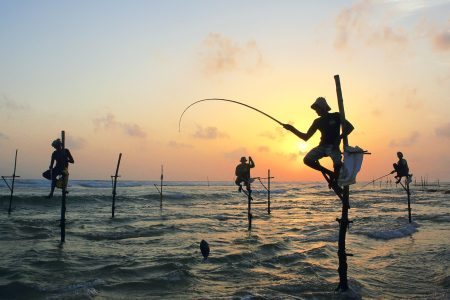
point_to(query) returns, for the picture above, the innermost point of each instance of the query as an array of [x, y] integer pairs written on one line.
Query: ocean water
[[152, 252]]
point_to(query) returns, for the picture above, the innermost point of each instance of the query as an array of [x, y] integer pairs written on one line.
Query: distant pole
[[115, 185], [12, 184], [409, 200], [207, 178], [343, 222], [63, 198], [249, 208], [161, 191], [268, 191]]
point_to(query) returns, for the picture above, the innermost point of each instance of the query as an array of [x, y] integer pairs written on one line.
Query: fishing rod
[[377, 179], [226, 100]]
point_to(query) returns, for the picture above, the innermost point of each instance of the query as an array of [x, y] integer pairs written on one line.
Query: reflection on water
[[146, 252]]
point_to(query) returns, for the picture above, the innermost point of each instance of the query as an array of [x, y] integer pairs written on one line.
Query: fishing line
[[377, 179]]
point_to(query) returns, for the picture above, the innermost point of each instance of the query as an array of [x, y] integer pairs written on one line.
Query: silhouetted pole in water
[[160, 190], [409, 200], [408, 193], [343, 222], [162, 178], [267, 188], [115, 185], [268, 191], [249, 213], [11, 188], [64, 193]]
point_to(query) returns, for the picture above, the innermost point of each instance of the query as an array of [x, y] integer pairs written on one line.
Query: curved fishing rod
[[226, 100]]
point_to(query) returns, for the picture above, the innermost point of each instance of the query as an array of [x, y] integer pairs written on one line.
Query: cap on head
[[243, 159], [56, 143], [321, 103]]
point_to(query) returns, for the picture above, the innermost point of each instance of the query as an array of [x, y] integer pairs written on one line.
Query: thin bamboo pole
[[161, 191], [63, 198], [249, 208], [268, 191], [409, 200], [343, 223], [115, 185], [12, 184]]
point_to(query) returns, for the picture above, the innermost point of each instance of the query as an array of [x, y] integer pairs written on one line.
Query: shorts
[[325, 150]]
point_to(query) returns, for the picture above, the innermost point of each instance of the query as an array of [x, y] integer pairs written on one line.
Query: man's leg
[[238, 183], [311, 159], [336, 156]]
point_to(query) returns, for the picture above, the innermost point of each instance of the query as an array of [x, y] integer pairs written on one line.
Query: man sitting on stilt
[[401, 168], [329, 125], [243, 173]]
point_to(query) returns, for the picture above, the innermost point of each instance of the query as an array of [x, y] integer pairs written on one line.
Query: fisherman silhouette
[[401, 167], [62, 157], [243, 173], [329, 125]]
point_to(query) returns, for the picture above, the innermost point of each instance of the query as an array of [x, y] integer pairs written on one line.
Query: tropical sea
[[149, 251]]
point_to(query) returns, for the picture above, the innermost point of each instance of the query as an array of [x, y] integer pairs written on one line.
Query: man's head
[[243, 159], [57, 144], [321, 106], [399, 155]]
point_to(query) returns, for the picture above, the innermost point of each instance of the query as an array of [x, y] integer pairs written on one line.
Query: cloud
[[3, 136], [413, 6], [361, 23], [10, 105], [109, 122], [208, 133], [176, 145], [220, 54], [278, 133], [412, 99], [236, 154], [133, 130], [289, 156], [388, 35], [443, 131], [263, 149], [406, 142], [441, 41], [376, 112], [75, 142]]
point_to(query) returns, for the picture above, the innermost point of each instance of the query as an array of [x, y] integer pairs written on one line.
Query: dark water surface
[[147, 252]]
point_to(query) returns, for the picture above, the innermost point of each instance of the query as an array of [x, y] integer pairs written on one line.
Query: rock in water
[[204, 248]]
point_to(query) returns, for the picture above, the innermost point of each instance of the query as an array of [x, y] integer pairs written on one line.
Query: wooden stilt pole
[[409, 200], [63, 198], [268, 191], [161, 191], [249, 208], [12, 184], [115, 185], [343, 222]]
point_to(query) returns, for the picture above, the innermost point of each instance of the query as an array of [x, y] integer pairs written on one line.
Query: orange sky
[[118, 81]]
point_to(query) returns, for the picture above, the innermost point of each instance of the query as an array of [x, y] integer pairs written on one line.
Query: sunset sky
[[116, 76]]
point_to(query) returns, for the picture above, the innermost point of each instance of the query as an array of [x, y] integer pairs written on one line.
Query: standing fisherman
[[243, 173], [329, 125], [62, 158], [401, 167]]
